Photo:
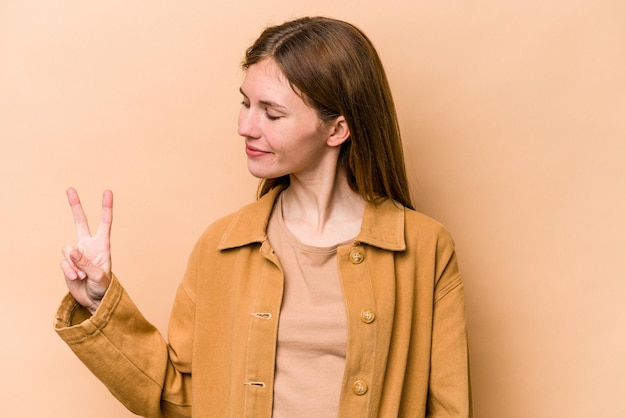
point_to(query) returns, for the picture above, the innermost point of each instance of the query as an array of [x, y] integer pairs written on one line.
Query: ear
[[339, 132]]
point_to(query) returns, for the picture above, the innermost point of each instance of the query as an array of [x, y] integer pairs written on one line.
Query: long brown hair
[[336, 69]]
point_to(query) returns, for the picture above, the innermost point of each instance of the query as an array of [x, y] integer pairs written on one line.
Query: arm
[[129, 355], [101, 324], [449, 387]]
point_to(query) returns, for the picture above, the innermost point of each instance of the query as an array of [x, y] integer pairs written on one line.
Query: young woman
[[328, 296]]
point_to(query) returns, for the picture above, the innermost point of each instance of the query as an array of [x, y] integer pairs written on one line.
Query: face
[[283, 135]]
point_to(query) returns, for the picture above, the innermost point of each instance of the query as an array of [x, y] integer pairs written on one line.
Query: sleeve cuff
[[73, 322]]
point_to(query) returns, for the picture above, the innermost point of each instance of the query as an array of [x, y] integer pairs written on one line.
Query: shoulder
[[209, 238], [415, 220], [216, 229], [422, 229], [430, 246], [245, 226]]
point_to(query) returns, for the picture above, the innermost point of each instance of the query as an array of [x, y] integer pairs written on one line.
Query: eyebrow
[[265, 102]]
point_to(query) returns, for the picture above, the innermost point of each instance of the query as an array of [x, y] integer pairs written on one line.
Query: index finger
[[82, 227], [106, 217]]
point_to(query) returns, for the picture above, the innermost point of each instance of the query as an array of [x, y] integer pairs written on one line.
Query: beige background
[[513, 116]]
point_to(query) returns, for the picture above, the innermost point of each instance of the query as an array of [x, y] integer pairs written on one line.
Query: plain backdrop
[[513, 117]]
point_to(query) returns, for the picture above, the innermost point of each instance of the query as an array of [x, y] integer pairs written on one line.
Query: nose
[[247, 125]]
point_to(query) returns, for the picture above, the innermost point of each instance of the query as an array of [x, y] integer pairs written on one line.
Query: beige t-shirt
[[312, 330]]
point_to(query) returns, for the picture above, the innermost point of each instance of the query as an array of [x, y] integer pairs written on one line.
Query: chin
[[263, 173]]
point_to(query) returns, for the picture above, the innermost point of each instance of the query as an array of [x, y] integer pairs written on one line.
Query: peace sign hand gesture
[[87, 266]]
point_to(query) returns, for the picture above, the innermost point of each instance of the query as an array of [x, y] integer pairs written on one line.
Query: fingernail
[[82, 275]]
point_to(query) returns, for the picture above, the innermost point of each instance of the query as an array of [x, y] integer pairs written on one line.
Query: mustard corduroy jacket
[[407, 350]]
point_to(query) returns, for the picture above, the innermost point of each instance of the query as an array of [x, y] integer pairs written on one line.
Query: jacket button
[[356, 256], [367, 316], [359, 388]]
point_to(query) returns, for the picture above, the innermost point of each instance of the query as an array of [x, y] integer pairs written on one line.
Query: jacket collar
[[382, 226]]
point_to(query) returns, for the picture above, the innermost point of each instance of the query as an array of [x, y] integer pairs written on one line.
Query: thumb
[[84, 264]]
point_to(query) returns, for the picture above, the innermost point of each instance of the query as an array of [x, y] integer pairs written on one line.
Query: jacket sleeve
[[449, 393], [129, 355]]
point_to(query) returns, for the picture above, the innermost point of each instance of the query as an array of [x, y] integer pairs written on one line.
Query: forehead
[[265, 80]]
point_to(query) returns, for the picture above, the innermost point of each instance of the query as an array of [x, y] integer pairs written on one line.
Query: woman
[[328, 296]]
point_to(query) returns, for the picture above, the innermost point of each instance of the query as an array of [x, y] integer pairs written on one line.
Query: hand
[[87, 266]]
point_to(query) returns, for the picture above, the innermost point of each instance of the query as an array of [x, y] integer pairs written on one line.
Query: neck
[[322, 211]]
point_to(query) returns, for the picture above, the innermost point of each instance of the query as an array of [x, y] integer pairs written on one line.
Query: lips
[[255, 152]]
